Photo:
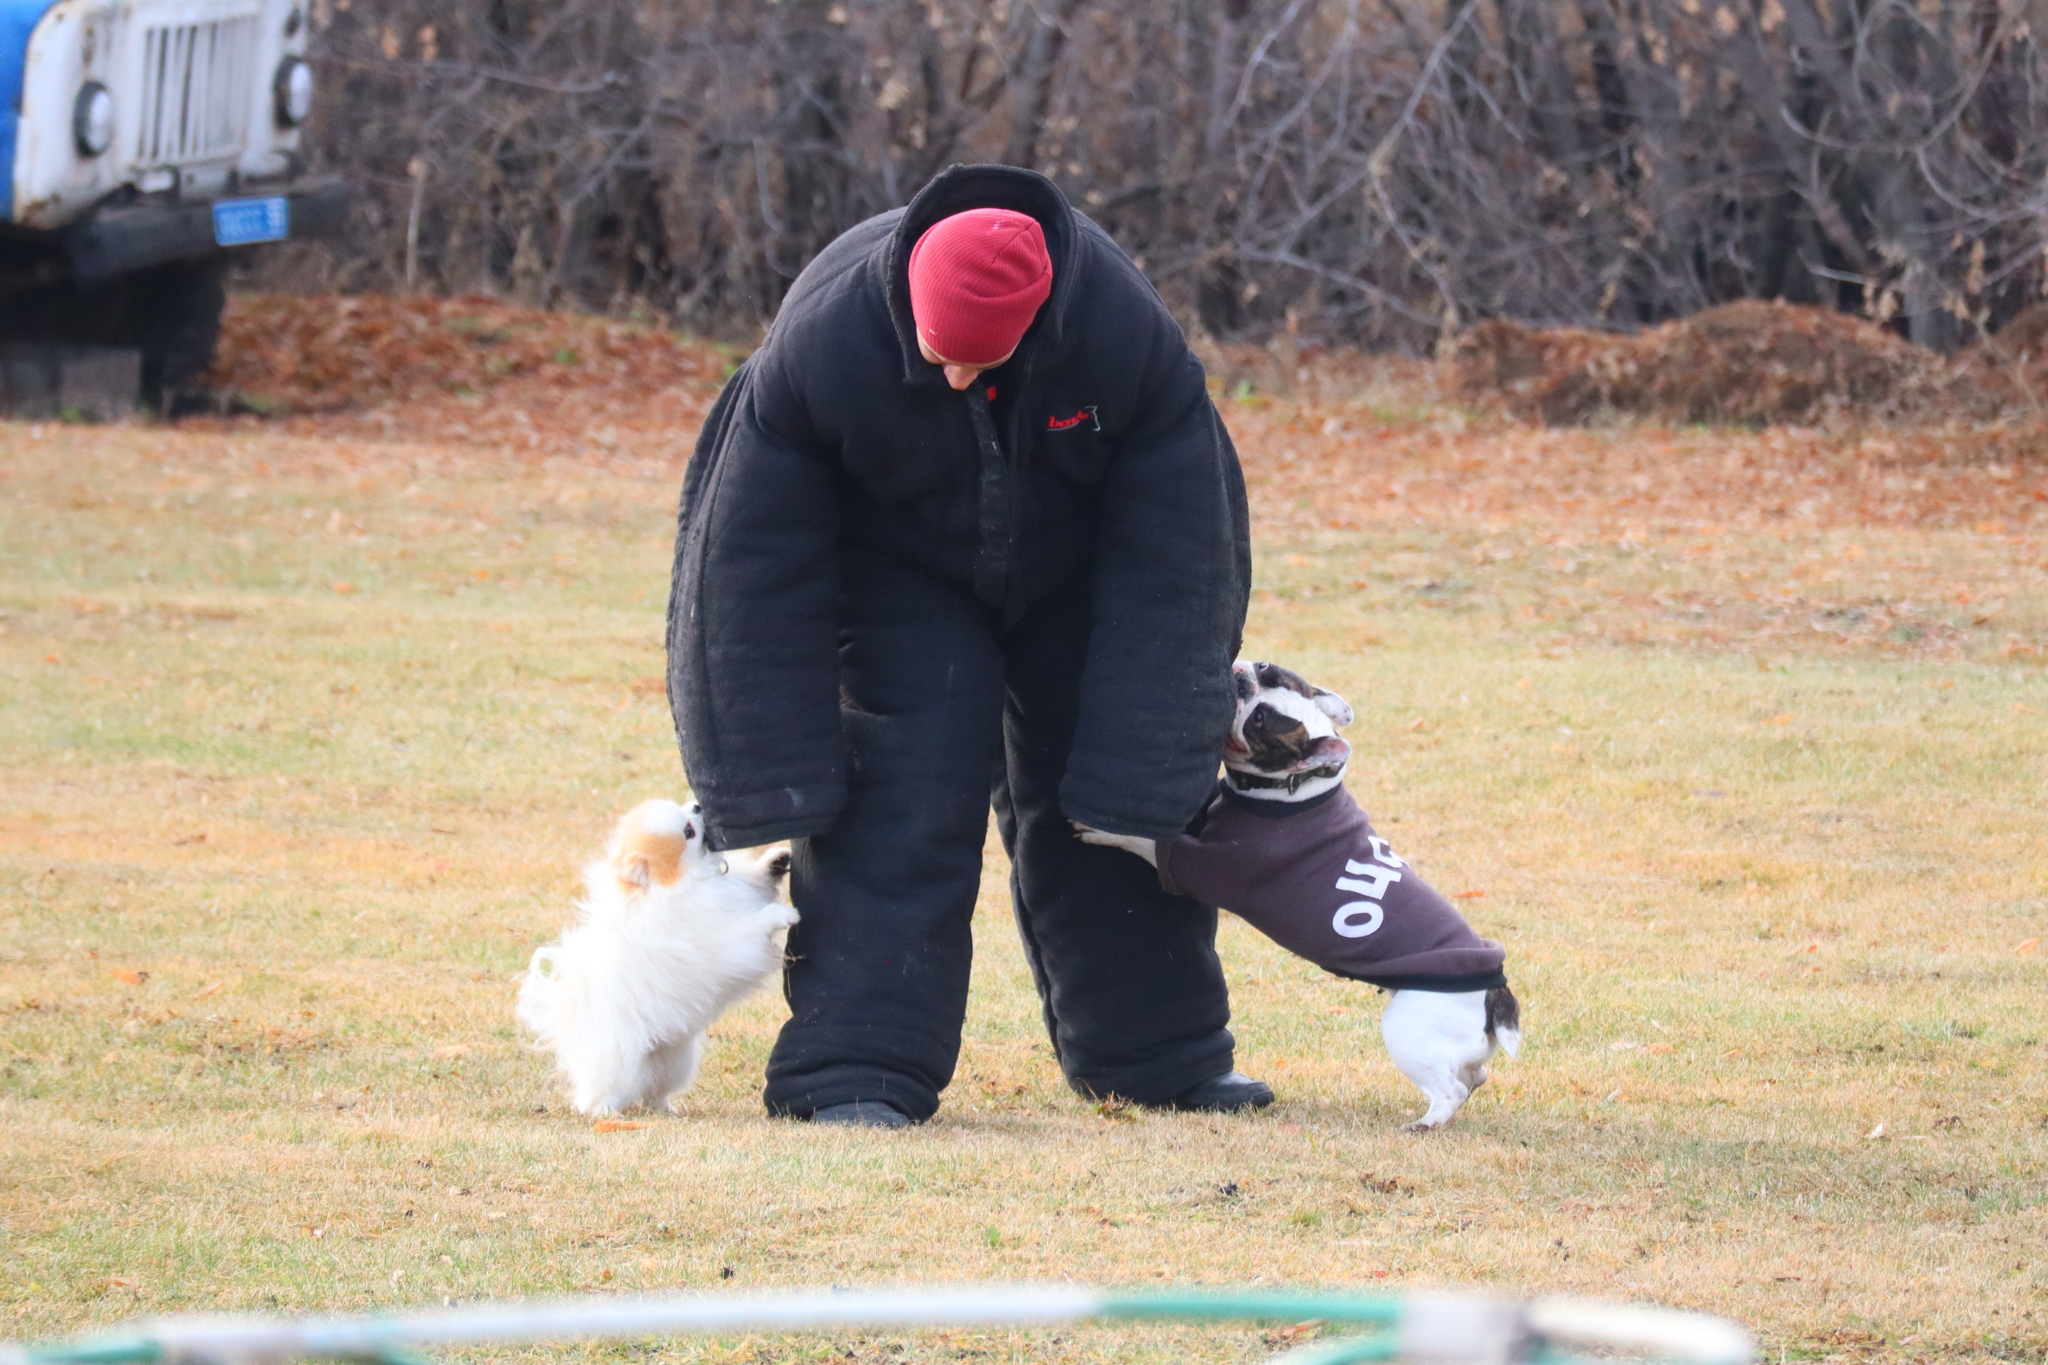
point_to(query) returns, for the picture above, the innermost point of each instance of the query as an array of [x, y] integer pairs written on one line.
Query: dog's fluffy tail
[[1504, 1019], [539, 995]]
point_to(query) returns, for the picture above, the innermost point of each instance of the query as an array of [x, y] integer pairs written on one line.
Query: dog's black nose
[[778, 866]]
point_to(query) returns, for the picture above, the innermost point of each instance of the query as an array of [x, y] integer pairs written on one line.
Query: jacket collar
[[955, 190]]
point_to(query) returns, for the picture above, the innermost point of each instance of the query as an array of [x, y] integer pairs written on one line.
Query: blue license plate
[[237, 222]]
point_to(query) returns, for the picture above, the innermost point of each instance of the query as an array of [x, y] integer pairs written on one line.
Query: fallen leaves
[[417, 369], [2027, 947], [325, 353], [619, 1125], [1746, 363], [470, 370], [128, 976], [1634, 484], [1282, 1336], [1117, 1109]]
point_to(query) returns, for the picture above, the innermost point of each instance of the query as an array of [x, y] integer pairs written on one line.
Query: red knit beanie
[[976, 281]]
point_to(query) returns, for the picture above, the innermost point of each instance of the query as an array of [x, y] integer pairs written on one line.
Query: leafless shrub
[[1381, 171]]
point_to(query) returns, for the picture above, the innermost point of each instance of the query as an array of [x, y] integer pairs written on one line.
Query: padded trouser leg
[[1132, 989], [877, 982]]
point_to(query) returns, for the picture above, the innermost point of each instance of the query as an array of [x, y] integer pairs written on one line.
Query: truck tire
[[170, 313], [173, 318]]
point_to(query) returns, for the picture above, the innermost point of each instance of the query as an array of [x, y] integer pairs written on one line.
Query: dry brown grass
[[305, 729]]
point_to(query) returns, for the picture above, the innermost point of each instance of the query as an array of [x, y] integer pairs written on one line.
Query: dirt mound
[[1751, 363], [327, 353]]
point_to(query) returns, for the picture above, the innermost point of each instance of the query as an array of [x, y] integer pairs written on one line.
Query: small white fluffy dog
[[669, 937]]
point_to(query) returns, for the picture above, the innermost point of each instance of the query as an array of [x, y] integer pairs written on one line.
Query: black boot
[[1225, 1094], [874, 1114]]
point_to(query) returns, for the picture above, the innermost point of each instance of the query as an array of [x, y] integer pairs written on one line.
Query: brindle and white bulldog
[[1284, 847]]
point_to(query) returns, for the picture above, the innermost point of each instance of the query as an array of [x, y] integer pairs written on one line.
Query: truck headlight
[[292, 92], [92, 119]]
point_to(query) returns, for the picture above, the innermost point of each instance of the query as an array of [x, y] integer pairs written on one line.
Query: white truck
[[141, 142]]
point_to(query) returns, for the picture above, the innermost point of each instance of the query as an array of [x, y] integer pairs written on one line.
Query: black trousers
[[946, 709]]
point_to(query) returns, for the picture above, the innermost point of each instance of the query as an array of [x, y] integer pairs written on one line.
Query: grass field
[[1736, 740]]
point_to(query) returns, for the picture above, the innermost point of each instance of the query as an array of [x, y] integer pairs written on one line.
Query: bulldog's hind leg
[[1439, 1041], [1446, 1095]]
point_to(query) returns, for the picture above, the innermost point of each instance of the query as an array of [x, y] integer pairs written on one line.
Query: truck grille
[[196, 84]]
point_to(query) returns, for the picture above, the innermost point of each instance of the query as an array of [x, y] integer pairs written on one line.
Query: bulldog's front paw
[[1148, 849]]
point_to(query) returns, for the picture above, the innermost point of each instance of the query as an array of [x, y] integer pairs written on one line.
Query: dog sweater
[[1314, 877]]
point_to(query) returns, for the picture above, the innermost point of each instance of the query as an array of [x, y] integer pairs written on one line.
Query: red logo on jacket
[[1086, 414]]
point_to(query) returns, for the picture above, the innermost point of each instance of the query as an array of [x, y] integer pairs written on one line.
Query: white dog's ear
[[633, 869], [1333, 706]]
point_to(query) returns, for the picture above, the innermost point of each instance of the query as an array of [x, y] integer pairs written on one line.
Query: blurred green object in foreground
[[1441, 1329]]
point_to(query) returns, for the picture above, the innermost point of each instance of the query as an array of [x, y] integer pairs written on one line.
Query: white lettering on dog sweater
[[1317, 880]]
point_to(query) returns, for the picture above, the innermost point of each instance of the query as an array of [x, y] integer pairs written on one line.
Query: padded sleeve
[[1172, 580], [753, 675]]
